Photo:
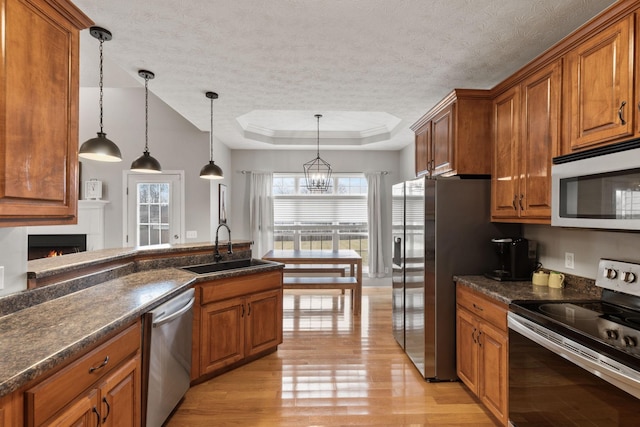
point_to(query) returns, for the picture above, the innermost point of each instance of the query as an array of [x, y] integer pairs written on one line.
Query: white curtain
[[374, 213], [261, 211]]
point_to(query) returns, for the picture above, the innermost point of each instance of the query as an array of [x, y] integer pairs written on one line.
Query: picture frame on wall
[[222, 203]]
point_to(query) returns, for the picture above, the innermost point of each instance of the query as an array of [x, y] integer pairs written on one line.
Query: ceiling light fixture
[[317, 172], [146, 163], [100, 148], [211, 170]]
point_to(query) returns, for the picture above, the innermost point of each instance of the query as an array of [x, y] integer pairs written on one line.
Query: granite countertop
[[507, 292], [38, 338], [44, 267]]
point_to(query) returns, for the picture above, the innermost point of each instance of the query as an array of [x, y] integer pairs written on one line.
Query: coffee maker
[[516, 259]]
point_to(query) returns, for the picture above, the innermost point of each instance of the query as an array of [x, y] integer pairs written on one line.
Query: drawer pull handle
[[477, 307], [473, 336], [622, 120], [479, 341], [104, 420], [520, 202], [95, 411], [515, 197], [102, 365], [249, 314], [242, 311]]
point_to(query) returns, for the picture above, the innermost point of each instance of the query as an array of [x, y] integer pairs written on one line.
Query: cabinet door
[[423, 150], [120, 396], [83, 412], [493, 382], [539, 142], [221, 334], [467, 349], [504, 179], [263, 321], [601, 87], [442, 138], [39, 140]]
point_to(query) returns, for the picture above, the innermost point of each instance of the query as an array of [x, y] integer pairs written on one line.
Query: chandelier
[[317, 172]]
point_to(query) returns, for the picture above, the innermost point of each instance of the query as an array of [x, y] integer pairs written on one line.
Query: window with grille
[[333, 220]]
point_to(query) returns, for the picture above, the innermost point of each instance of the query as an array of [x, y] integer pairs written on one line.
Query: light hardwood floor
[[331, 370]]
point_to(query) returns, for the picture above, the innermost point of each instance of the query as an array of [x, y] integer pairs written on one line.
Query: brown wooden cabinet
[[236, 320], [482, 349], [526, 136], [11, 410], [453, 138], [101, 388], [601, 105], [39, 120]]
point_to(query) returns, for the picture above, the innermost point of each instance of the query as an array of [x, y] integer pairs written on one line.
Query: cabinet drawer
[[52, 394], [482, 307], [239, 286]]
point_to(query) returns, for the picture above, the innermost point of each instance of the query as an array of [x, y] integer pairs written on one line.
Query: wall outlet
[[1, 277], [568, 260], [192, 234]]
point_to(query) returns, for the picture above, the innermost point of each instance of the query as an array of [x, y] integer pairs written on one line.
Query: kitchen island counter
[[42, 329]]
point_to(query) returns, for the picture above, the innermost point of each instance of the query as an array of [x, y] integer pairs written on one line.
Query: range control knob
[[610, 273], [628, 277], [612, 334], [630, 341]]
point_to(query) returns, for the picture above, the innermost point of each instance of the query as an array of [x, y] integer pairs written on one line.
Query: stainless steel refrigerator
[[441, 228]]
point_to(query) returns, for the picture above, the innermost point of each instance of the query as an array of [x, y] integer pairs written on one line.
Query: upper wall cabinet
[[601, 107], [526, 135], [39, 112], [453, 138]]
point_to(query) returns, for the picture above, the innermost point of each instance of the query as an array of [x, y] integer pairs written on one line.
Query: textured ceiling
[[371, 67]]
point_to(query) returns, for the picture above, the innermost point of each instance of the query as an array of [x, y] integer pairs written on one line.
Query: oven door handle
[[595, 363]]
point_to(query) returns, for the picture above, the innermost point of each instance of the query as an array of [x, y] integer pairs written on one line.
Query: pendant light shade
[[100, 148], [317, 172], [146, 163], [211, 170]]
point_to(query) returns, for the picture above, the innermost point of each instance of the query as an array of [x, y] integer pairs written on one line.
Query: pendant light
[[100, 148], [146, 163], [317, 172], [211, 170]]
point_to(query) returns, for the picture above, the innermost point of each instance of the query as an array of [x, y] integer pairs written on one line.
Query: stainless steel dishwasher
[[168, 356]]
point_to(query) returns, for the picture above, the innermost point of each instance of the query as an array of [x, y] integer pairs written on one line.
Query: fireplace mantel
[[90, 222]]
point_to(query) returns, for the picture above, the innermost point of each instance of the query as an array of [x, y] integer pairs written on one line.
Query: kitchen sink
[[223, 266]]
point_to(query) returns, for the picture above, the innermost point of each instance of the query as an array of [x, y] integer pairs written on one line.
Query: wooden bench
[[317, 269], [320, 282], [310, 268]]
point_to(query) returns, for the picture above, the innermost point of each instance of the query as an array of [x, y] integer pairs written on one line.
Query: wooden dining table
[[325, 257]]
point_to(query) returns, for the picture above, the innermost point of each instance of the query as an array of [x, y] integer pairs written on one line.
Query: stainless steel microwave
[[598, 188]]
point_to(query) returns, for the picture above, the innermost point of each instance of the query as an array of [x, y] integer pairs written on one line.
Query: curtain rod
[[244, 172]]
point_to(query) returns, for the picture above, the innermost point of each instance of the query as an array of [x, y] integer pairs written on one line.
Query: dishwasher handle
[[162, 320]]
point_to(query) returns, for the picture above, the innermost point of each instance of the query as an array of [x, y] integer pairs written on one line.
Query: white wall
[[13, 257], [292, 161], [588, 246], [173, 141], [407, 163]]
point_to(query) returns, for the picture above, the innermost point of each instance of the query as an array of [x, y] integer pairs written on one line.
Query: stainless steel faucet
[[217, 255]]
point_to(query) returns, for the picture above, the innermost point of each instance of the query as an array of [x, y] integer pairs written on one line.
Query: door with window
[[154, 208]]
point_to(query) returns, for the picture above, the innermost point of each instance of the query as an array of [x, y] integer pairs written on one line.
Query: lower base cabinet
[[482, 341], [102, 388], [235, 320]]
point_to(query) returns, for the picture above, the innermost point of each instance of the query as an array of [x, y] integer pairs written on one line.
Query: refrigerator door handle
[[397, 250]]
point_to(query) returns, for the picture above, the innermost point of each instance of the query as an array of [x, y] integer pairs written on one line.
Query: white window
[[333, 220]]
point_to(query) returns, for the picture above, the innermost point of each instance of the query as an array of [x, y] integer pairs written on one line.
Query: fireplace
[[47, 245]]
